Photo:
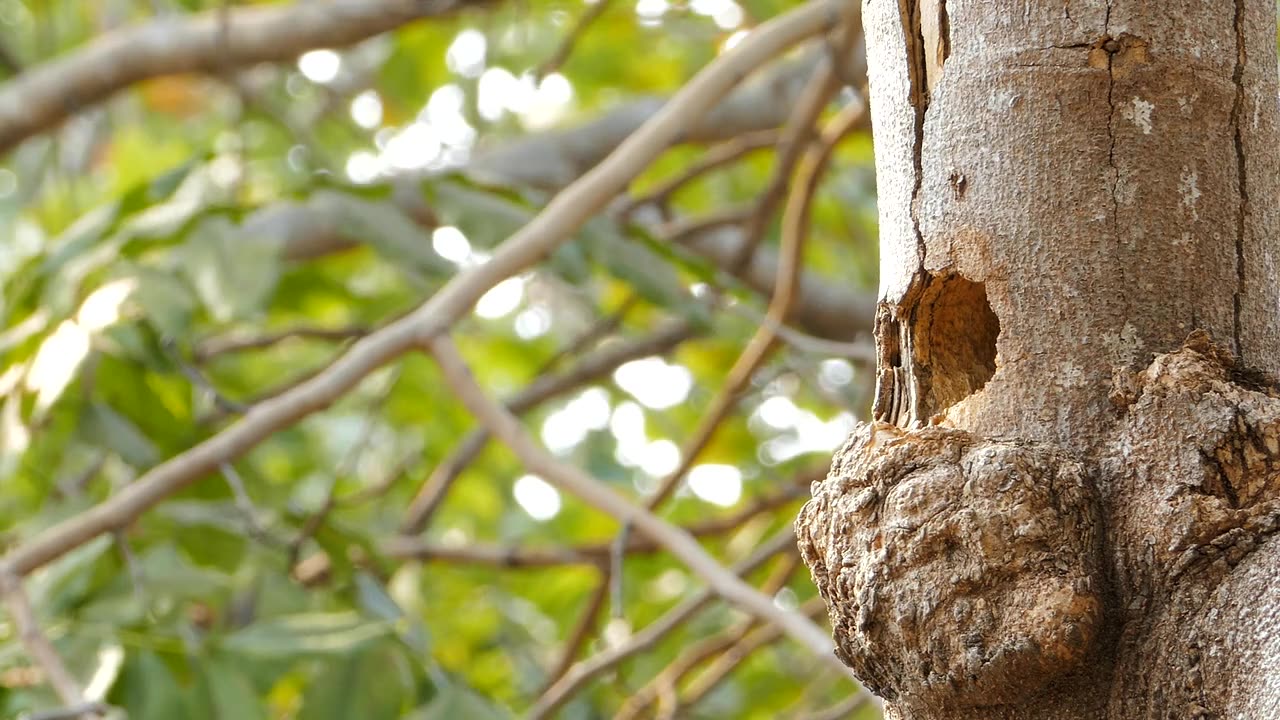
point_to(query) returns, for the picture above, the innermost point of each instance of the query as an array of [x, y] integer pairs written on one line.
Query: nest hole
[[956, 334]]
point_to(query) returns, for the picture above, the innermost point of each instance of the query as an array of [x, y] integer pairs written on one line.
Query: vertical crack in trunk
[[1111, 127], [917, 68], [1237, 109], [1112, 48]]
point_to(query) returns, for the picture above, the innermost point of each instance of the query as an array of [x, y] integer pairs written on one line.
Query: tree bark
[[1063, 508]]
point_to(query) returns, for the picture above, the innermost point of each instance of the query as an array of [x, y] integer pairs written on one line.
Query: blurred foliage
[[128, 247]]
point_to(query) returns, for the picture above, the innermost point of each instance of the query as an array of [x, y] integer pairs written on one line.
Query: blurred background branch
[[233, 485]]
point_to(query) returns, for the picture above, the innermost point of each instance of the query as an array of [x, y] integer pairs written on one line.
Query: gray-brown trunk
[[1063, 508]]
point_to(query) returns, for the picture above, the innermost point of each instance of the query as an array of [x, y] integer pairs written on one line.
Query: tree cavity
[[937, 346]]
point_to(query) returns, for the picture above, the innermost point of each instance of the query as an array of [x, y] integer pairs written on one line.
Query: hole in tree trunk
[[937, 347], [956, 339]]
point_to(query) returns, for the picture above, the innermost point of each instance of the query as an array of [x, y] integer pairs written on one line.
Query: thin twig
[[582, 673], [552, 227], [715, 158], [821, 88], [861, 351], [72, 712], [565, 49], [197, 378], [598, 330], [733, 656], [222, 345], [794, 232], [582, 629], [681, 230], [841, 710], [402, 547], [587, 370], [663, 685], [248, 511], [346, 466], [36, 643], [380, 488], [9, 60], [571, 479], [136, 575], [43, 96]]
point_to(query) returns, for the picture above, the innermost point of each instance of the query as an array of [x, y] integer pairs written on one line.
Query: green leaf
[[486, 217], [166, 571], [569, 261], [234, 274], [458, 702], [228, 692], [375, 600], [147, 688], [306, 634], [373, 684], [390, 232], [218, 514], [655, 279], [113, 431], [165, 300], [136, 342], [66, 578], [78, 251]]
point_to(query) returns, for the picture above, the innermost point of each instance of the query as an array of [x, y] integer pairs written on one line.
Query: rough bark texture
[[1064, 508]]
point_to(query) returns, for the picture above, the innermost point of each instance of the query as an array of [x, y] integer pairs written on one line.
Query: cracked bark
[[1078, 298]]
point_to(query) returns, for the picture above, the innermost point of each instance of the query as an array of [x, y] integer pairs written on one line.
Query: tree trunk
[[1064, 506]]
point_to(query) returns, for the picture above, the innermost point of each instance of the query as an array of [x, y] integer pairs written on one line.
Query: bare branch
[[589, 369], [582, 673], [233, 343], [840, 710], [598, 330], [591, 554], [795, 229], [573, 480], [736, 653], [551, 228], [37, 645], [47, 94], [71, 712], [582, 630], [663, 685], [565, 49], [715, 158]]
